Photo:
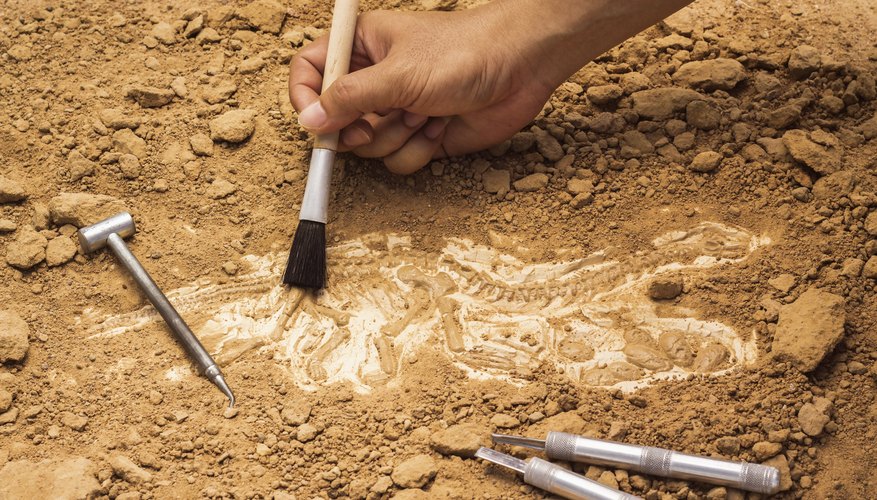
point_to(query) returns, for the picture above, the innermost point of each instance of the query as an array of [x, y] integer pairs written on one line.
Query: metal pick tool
[[655, 461], [110, 232], [554, 478]]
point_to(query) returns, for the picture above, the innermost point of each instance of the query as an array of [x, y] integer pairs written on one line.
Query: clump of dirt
[[497, 276]]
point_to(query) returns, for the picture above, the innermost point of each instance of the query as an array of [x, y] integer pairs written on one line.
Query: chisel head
[[94, 237]]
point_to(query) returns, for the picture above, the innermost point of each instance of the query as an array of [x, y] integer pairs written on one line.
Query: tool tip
[[219, 380]]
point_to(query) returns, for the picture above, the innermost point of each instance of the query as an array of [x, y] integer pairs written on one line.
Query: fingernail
[[355, 137], [435, 128], [413, 120], [313, 116]]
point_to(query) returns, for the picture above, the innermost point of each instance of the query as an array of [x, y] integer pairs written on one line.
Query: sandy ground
[[680, 251]]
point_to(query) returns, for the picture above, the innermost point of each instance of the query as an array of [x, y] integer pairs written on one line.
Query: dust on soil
[[773, 133]]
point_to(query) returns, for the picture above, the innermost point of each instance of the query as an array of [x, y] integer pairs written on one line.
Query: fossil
[[492, 313]]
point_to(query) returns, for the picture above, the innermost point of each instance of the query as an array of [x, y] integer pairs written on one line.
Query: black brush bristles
[[306, 267]]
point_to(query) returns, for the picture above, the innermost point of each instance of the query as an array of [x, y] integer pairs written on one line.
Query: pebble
[[72, 477], [9, 417], [462, 440], [765, 449], [220, 188], [578, 186], [230, 412], [809, 328], [194, 26], [783, 282], [208, 35], [702, 115], [79, 166], [547, 145], [155, 397], [73, 421], [869, 270], [503, 421], [781, 463], [126, 141], [306, 432], [871, 223], [582, 199], [414, 472], [126, 469], [60, 250], [230, 268], [150, 97], [728, 445], [662, 103], [711, 74], [823, 156], [201, 144], [82, 209], [296, 414], [264, 15], [251, 65], [496, 181], [532, 182], [812, 417], [130, 166], [117, 119], [5, 400], [220, 91], [11, 191], [164, 33], [604, 94], [233, 126], [706, 161], [27, 250], [803, 61], [7, 226]]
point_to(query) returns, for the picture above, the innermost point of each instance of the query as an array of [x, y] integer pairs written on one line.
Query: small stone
[[604, 94], [665, 288], [823, 158], [702, 115], [83, 209], [27, 250], [60, 250], [503, 421], [812, 417], [201, 144], [297, 414], [73, 421], [871, 223], [9, 417], [781, 463], [126, 141], [150, 97], [79, 166], [208, 35], [126, 469], [809, 328], [219, 91], [5, 400], [728, 445], [233, 126], [382, 485], [230, 413], [264, 15], [130, 166], [803, 61], [164, 33], [294, 37], [608, 478], [764, 450], [263, 450], [414, 472], [582, 199], [72, 477], [496, 181], [251, 65], [20, 52], [705, 162], [155, 397], [870, 268], [230, 268], [194, 27], [784, 116], [306, 432], [7, 226], [532, 182], [117, 119], [784, 282], [578, 186], [14, 334], [711, 74], [661, 103], [547, 145], [462, 440], [220, 188], [11, 191]]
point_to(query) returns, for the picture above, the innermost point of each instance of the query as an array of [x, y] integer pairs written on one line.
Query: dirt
[[680, 251]]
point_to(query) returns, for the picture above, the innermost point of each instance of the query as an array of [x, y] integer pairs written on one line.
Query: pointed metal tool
[[554, 478], [649, 460]]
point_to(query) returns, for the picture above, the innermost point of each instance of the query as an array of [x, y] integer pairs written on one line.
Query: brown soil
[[792, 134]]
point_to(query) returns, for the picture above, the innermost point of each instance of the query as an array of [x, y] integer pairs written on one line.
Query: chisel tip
[[219, 381]]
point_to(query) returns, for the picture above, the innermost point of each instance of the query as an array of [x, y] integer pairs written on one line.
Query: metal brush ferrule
[[315, 205]]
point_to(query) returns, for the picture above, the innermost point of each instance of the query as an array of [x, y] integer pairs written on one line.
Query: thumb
[[367, 90]]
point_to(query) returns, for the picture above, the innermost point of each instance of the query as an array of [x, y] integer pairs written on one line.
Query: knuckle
[[345, 91]]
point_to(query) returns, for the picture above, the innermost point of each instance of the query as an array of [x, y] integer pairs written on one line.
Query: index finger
[[306, 73]]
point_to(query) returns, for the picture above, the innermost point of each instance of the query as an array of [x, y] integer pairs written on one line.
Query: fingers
[[358, 133], [420, 148], [390, 133], [306, 74]]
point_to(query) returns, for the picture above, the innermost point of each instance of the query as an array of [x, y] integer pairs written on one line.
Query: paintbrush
[[306, 266]]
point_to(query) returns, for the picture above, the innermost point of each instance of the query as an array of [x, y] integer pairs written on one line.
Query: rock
[[19, 52], [79, 166], [73, 421], [5, 400], [194, 27], [219, 92], [634, 82], [604, 94], [834, 186], [83, 209], [7, 226], [765, 449], [728, 445], [9, 417], [532, 182], [130, 166], [812, 417], [503, 421], [208, 35], [869, 270], [150, 97], [126, 141], [635, 144], [582, 199], [264, 15], [547, 145], [233, 126], [665, 288], [220, 188], [27, 250], [784, 116], [784, 282], [711, 74], [871, 223], [567, 421], [809, 328], [824, 157], [67, 478], [201, 144], [117, 119], [59, 251], [702, 115], [781, 464], [164, 33], [803, 61], [706, 161], [414, 472], [297, 414], [126, 469], [13, 337], [660, 104], [306, 432], [251, 65], [496, 181], [674, 41], [11, 191], [578, 186], [462, 440]]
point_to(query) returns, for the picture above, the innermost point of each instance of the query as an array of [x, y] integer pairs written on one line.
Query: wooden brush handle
[[338, 57]]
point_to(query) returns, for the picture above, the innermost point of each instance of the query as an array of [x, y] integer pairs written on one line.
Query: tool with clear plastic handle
[[554, 478], [655, 461]]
